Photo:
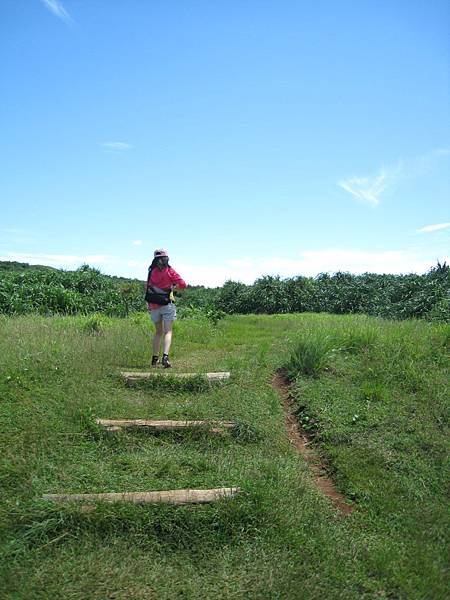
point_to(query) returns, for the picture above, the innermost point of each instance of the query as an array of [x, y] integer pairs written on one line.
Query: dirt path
[[301, 442]]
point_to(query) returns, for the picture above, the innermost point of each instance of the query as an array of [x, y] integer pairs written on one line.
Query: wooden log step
[[167, 497], [136, 376], [117, 424]]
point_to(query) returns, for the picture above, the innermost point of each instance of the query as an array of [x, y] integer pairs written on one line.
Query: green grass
[[377, 406]]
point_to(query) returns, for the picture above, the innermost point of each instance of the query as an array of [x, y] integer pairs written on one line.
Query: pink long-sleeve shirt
[[165, 279]]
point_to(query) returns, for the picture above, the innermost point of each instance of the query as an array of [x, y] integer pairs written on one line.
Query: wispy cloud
[[58, 10], [417, 166], [137, 242], [366, 189], [370, 189], [429, 228], [116, 146]]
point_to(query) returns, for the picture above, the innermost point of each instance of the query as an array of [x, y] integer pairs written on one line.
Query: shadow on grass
[[172, 383], [198, 438]]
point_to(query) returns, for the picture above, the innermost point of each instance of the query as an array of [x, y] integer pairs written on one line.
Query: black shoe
[[165, 361], [155, 360]]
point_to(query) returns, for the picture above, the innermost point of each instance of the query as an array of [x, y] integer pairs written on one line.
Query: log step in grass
[[175, 497], [131, 376], [152, 425]]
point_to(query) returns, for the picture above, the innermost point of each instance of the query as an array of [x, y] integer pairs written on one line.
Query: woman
[[161, 282]]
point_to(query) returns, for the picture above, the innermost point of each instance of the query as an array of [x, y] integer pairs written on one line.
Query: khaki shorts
[[164, 313]]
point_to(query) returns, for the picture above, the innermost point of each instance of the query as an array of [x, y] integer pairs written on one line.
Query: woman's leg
[[167, 328], [157, 337]]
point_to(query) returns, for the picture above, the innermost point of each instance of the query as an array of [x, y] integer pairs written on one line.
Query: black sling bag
[[154, 297]]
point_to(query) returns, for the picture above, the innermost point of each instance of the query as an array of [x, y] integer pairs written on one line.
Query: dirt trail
[[301, 443]]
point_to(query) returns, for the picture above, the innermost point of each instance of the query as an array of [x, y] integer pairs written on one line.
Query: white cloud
[[58, 10], [61, 261], [366, 189], [331, 260], [240, 263], [437, 227], [137, 242], [116, 146], [308, 263], [212, 276]]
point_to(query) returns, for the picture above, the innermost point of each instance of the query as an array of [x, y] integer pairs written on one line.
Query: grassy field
[[373, 395]]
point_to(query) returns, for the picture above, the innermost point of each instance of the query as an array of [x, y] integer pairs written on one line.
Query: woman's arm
[[177, 280]]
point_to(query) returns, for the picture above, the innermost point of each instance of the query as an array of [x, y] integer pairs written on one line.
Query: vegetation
[[46, 291], [390, 296], [51, 291], [372, 394]]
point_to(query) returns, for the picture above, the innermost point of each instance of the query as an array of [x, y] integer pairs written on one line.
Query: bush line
[[42, 290]]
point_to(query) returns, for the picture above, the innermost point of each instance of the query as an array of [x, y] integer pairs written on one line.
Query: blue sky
[[246, 137]]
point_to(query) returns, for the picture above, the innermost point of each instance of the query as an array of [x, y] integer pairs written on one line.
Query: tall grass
[[309, 356], [378, 398]]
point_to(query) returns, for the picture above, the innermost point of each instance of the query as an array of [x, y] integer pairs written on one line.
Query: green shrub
[[309, 356], [95, 324], [391, 296], [234, 297], [51, 291], [355, 340]]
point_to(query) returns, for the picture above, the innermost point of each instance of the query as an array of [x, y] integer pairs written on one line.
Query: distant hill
[[14, 266], [6, 265]]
